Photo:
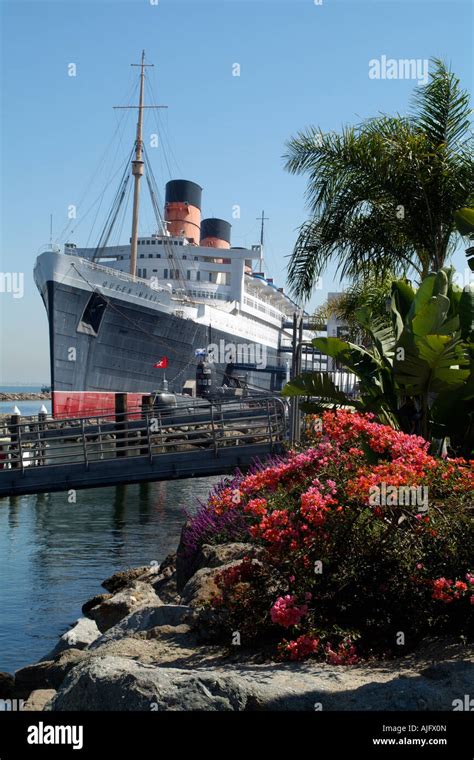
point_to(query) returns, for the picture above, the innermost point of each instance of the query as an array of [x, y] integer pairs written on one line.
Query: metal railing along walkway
[[144, 444]]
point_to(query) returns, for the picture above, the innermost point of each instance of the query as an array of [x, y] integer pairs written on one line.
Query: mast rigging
[[137, 163]]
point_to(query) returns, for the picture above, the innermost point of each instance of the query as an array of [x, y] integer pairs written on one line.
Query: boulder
[[211, 555], [143, 619], [80, 635], [111, 611], [182, 631], [7, 685], [47, 674], [116, 683], [38, 699], [215, 555], [165, 587], [97, 599], [164, 645], [32, 677], [63, 663], [202, 587], [169, 563], [123, 578], [173, 646]]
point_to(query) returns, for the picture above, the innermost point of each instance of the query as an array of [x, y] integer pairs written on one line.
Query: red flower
[[286, 613], [345, 654], [256, 507], [302, 647], [446, 590]]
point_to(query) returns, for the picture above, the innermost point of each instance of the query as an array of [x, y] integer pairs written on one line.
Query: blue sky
[[300, 64]]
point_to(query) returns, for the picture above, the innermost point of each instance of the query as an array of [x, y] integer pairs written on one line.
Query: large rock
[[216, 555], [47, 674], [112, 610], [163, 645], [202, 587], [164, 583], [32, 677], [7, 685], [144, 619], [63, 663], [94, 602], [119, 683], [123, 578], [80, 635], [165, 587], [116, 683], [38, 700], [210, 556]]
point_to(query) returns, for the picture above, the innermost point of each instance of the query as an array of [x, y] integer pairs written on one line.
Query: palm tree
[[383, 194]]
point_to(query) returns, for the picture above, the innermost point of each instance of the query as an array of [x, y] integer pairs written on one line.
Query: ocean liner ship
[[116, 312]]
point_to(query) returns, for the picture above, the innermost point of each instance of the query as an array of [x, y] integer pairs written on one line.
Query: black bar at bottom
[[446, 734]]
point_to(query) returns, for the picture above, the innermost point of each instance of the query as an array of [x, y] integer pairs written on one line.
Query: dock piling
[[121, 426], [16, 458], [42, 417], [147, 414]]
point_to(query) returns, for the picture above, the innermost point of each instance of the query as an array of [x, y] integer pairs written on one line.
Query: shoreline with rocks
[[146, 644], [25, 396]]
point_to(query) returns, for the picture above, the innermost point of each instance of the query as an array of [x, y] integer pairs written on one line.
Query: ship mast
[[137, 170], [261, 219], [137, 163]]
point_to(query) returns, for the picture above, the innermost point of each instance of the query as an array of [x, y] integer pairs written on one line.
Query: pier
[[42, 455]]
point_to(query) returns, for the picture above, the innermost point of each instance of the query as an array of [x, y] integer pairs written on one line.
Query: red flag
[[162, 364]]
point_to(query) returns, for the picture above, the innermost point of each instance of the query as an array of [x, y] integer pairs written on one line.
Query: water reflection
[[144, 503], [54, 553], [13, 503]]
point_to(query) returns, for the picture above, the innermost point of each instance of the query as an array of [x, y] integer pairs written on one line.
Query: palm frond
[[382, 195], [442, 108]]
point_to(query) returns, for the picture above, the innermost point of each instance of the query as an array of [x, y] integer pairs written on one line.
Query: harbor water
[[54, 554], [26, 408]]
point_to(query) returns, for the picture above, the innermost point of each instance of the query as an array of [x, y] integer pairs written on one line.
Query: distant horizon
[[23, 384]]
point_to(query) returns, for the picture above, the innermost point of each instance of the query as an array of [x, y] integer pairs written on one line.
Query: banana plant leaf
[[404, 295], [397, 321], [384, 340], [430, 318], [352, 357], [431, 364], [423, 295], [441, 283], [322, 390], [464, 219]]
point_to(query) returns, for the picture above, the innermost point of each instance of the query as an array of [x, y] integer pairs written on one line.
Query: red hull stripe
[[88, 403]]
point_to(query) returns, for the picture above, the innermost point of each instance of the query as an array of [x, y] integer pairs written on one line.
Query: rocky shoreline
[[146, 645], [25, 396]]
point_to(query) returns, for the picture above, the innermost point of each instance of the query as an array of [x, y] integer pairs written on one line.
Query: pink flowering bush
[[364, 535], [448, 591], [299, 649], [345, 654], [286, 613]]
